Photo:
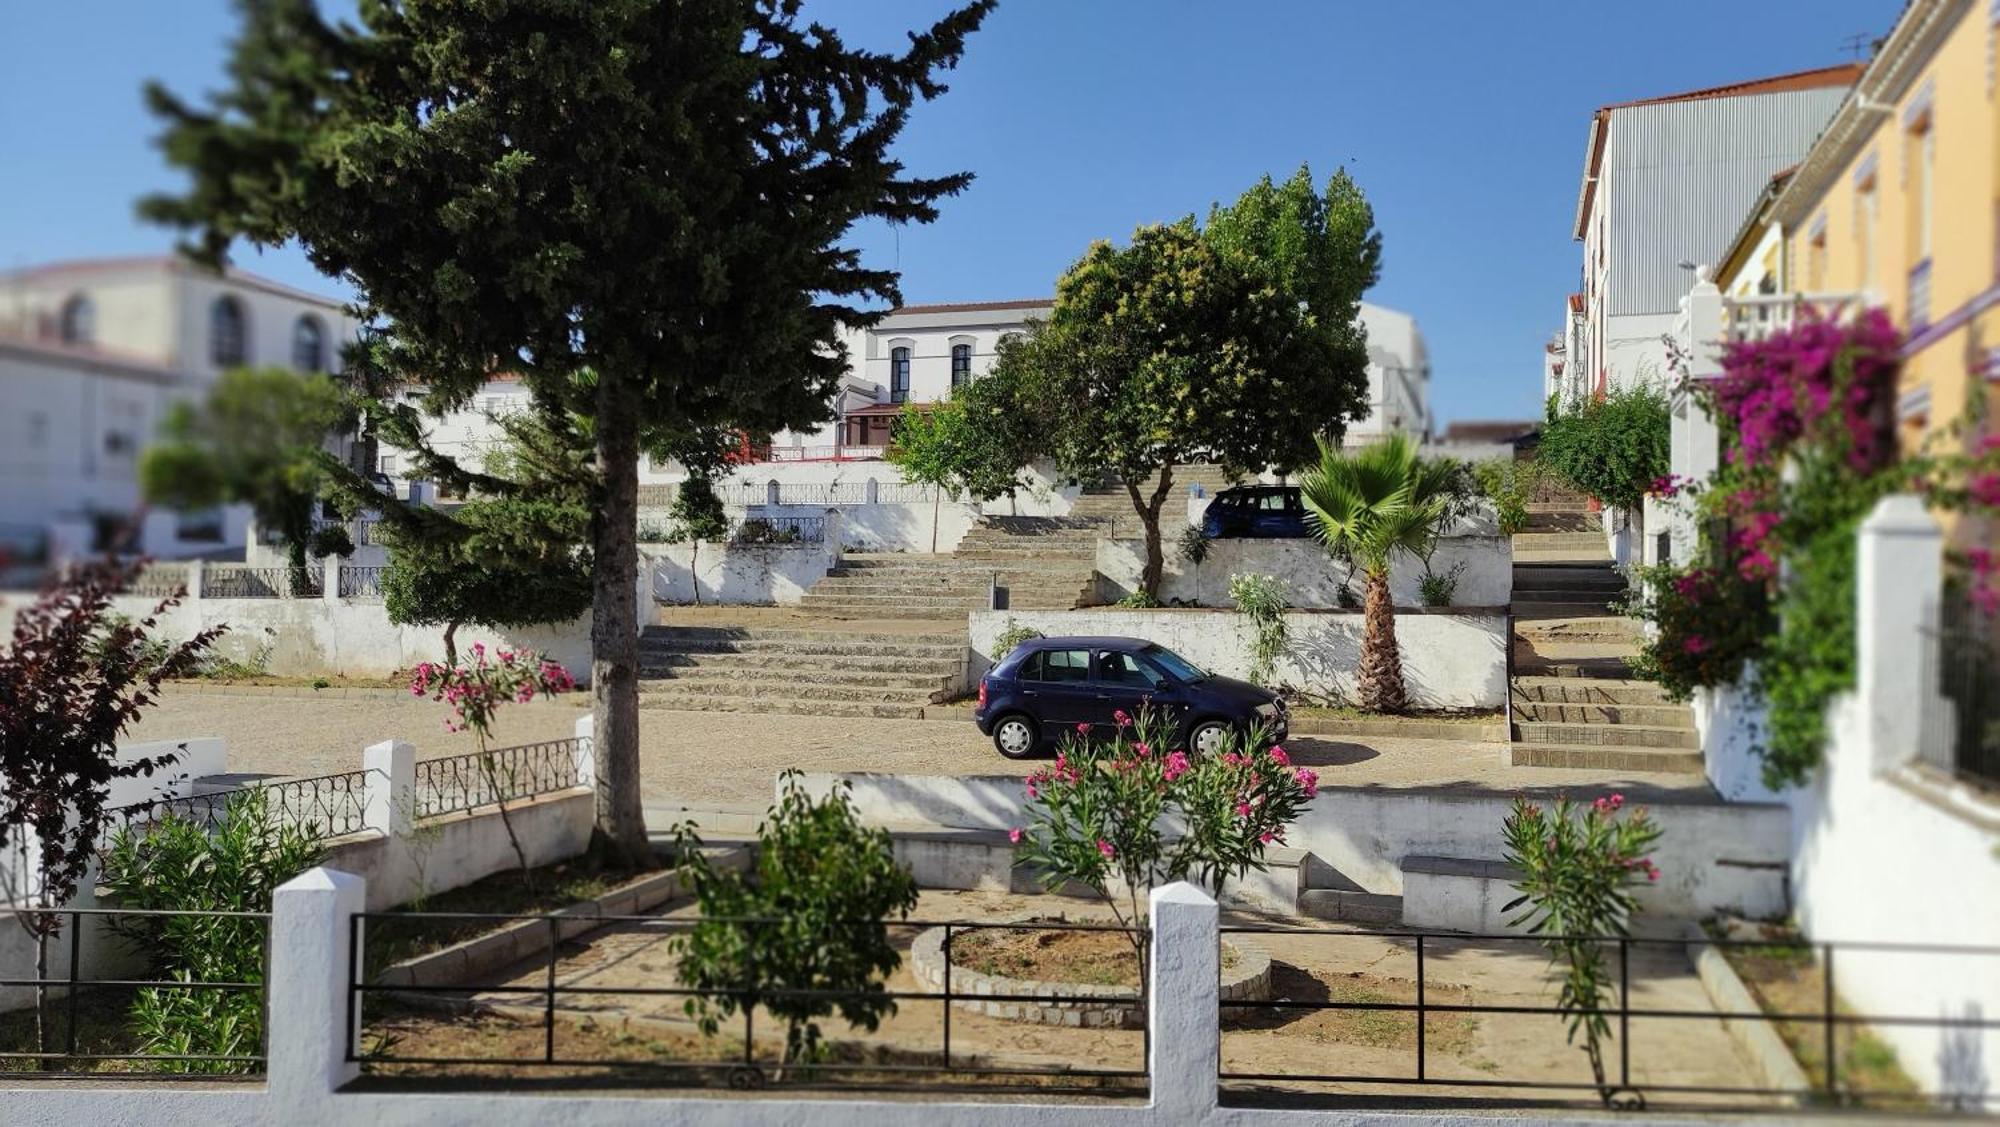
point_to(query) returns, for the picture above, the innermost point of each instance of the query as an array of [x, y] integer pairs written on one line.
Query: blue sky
[[1463, 121]]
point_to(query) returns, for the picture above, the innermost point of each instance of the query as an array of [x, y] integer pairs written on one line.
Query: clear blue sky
[[1463, 121]]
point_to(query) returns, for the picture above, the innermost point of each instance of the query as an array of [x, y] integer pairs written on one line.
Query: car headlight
[[1268, 709]]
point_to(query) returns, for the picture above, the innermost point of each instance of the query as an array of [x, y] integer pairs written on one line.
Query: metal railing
[[1919, 316], [738, 1058], [1959, 729], [779, 530], [361, 582], [79, 1001], [327, 805], [261, 582], [159, 581], [455, 783], [1622, 1086]]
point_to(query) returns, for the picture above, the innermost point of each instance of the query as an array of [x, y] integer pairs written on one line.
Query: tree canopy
[[654, 190]]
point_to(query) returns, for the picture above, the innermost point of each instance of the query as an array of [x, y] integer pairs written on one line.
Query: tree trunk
[[614, 625], [1381, 662], [937, 500], [1149, 513], [694, 567], [451, 644]]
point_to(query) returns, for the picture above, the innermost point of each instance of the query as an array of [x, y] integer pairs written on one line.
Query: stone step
[[1354, 907], [940, 601], [1601, 758], [927, 681], [1594, 556], [1577, 520], [1552, 578], [1588, 690], [650, 698], [813, 665], [1062, 597], [1564, 609], [1578, 505], [1006, 555], [1544, 541], [801, 634], [1604, 735], [791, 689], [1648, 715], [864, 612], [1569, 628], [802, 649]]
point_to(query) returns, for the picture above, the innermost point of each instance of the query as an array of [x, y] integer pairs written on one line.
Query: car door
[[1056, 684], [1125, 682], [1268, 519]]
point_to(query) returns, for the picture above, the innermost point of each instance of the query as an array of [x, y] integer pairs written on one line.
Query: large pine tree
[[654, 190]]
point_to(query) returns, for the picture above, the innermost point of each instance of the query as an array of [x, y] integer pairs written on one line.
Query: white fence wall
[[1451, 660], [1312, 578], [736, 573]]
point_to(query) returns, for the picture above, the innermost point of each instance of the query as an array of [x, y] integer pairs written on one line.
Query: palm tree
[[1383, 499]]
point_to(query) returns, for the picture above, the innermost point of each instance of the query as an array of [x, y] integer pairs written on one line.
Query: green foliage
[[697, 513], [974, 444], [758, 530], [1613, 447], [1510, 484], [1138, 600], [178, 865], [1438, 589], [1710, 623], [1378, 501], [258, 438], [1579, 868], [1195, 542], [1261, 599], [1011, 637], [808, 918]]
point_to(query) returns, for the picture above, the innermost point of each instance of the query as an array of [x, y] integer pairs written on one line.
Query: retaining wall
[[736, 573], [1311, 577]]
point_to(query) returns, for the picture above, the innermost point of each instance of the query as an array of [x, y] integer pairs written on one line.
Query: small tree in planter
[[1125, 815], [802, 935], [475, 693], [1579, 868]]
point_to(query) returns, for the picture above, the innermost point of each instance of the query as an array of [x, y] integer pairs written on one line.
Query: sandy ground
[[1329, 963], [730, 761]]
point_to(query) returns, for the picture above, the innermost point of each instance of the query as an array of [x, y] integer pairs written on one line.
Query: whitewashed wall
[[1312, 578], [735, 573], [1450, 660]]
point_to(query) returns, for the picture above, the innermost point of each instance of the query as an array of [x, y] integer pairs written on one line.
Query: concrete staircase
[[1107, 502], [807, 672], [1045, 563], [1575, 703]]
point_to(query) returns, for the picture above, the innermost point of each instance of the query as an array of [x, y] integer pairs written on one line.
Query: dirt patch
[[391, 939], [1095, 958], [1788, 980], [1449, 1034]]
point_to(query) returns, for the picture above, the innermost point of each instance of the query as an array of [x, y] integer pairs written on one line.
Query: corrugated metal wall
[[1681, 178]]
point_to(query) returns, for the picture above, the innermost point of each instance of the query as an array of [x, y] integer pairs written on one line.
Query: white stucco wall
[[1312, 578], [735, 573], [1450, 660]]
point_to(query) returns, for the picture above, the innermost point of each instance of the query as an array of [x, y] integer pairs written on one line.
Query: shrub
[[1011, 637], [802, 935], [1438, 589], [1261, 599], [1612, 448], [1138, 600], [1195, 543], [178, 865], [759, 530], [1710, 622], [1510, 484], [1578, 870]]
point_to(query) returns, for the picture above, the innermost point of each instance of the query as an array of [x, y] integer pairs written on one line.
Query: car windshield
[[1180, 667]]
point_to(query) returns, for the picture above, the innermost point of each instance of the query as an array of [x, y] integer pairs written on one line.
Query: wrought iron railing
[[465, 782], [361, 582], [746, 1052], [1959, 729], [88, 1027], [327, 805], [779, 530], [159, 581], [1920, 296], [261, 582]]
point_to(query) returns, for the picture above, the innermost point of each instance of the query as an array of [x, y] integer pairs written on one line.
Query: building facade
[[92, 355]]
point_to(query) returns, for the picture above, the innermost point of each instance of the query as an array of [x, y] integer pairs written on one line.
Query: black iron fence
[[779, 530], [326, 805], [107, 1022], [564, 1015], [1959, 734], [1823, 1033], [465, 782], [159, 581], [262, 582], [361, 582]]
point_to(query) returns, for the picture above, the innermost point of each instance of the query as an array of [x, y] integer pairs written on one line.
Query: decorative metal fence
[[159, 581], [261, 582], [465, 782], [361, 582], [1828, 1028], [1959, 733], [328, 805], [779, 530], [746, 1052], [88, 1027]]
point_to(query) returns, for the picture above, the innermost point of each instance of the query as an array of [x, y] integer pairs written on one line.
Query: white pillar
[[586, 749], [329, 583], [1899, 573], [1182, 1017], [311, 1023], [194, 580], [389, 781]]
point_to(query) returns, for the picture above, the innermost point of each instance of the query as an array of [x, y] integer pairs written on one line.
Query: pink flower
[[1243, 810], [1142, 750], [1124, 721], [1177, 765], [1083, 729], [1278, 755], [1104, 847], [1617, 800], [1695, 644], [479, 650], [1014, 836], [1032, 792], [1308, 779], [1267, 837]]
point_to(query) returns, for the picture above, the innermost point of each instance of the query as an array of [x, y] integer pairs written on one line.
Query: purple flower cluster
[[1778, 390]]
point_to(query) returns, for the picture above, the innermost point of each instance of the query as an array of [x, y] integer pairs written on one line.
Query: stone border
[[1402, 727], [1248, 980], [1748, 1027]]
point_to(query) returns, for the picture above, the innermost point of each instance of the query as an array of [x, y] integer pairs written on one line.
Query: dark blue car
[[1263, 512], [1046, 686]]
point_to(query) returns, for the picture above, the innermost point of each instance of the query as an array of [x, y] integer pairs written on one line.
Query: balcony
[[1919, 314]]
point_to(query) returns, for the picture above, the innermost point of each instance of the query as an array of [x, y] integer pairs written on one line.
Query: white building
[[92, 353]]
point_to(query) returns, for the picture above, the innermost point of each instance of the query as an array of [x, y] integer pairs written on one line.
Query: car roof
[[1260, 489], [1087, 642]]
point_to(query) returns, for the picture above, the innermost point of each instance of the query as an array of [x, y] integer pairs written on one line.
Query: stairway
[[807, 672], [1107, 501], [1046, 563], [1575, 703]]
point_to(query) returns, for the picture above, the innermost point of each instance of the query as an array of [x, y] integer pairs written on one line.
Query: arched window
[[961, 365], [78, 323], [899, 375], [227, 334], [308, 345]]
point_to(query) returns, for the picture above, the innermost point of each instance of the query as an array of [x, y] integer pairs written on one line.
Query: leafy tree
[[802, 935], [653, 190], [258, 438], [976, 443], [1614, 447], [1378, 501], [697, 515], [74, 678], [1170, 350], [178, 865]]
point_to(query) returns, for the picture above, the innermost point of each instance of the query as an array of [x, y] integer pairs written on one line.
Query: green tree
[[1371, 504], [1614, 447], [1170, 350], [653, 190], [258, 438], [975, 444], [697, 515]]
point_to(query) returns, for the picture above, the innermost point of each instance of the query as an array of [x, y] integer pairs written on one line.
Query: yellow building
[[1898, 203]]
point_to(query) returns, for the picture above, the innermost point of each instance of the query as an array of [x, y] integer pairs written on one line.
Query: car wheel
[[1208, 737], [1016, 736]]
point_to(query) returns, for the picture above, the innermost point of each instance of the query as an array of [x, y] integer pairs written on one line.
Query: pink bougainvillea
[[1820, 377]]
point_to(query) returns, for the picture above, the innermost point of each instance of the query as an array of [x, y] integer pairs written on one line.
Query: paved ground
[[725, 760]]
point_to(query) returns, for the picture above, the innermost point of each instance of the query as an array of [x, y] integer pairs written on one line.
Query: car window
[[1121, 668], [1272, 502], [1058, 665], [1176, 664]]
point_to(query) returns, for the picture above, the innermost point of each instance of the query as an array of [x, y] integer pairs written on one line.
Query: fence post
[[194, 582], [586, 752], [1899, 572], [1183, 1021], [389, 782], [312, 940], [329, 579]]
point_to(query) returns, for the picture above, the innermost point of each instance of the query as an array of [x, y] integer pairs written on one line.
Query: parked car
[[1045, 686], [1264, 512]]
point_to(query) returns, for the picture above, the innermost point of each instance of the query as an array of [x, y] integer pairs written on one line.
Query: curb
[[1409, 728], [1746, 1025]]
